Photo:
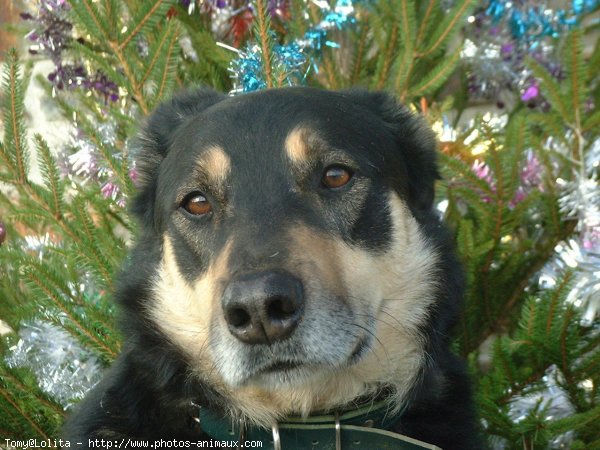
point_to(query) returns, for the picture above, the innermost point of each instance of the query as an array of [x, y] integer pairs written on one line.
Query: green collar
[[361, 428]]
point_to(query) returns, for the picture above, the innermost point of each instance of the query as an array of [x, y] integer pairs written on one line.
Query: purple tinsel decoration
[[103, 86], [51, 36]]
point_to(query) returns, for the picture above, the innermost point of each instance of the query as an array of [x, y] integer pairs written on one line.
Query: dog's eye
[[336, 177], [196, 204]]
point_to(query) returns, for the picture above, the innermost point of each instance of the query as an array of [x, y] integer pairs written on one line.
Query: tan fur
[[182, 310], [397, 287], [216, 164], [296, 146]]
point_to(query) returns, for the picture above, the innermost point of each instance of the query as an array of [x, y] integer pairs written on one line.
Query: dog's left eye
[[196, 204]]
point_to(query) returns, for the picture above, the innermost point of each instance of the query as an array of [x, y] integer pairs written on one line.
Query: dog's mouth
[[281, 371], [281, 366], [289, 368]]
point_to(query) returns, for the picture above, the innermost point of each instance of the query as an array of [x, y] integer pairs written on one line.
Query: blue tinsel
[[297, 58], [538, 21]]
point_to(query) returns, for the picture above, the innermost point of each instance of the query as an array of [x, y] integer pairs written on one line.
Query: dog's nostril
[[238, 317], [281, 308]]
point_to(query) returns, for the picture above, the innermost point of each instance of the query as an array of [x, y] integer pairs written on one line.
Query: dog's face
[[293, 273]]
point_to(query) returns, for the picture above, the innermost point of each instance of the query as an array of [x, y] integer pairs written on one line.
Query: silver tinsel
[[554, 401], [580, 201], [551, 399], [64, 370]]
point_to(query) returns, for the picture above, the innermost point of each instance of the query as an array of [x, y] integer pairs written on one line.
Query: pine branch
[[500, 206], [404, 63], [7, 376], [437, 76], [575, 422], [25, 414], [359, 54], [147, 16], [41, 282], [84, 228], [86, 12], [262, 30], [516, 141], [333, 81], [425, 21], [167, 70], [51, 176], [543, 254], [591, 122], [8, 163], [13, 118], [447, 28], [594, 62], [577, 73], [156, 52], [385, 59], [550, 88], [554, 299], [89, 16], [112, 13]]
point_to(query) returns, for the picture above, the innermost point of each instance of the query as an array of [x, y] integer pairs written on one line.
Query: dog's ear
[[155, 141], [414, 140]]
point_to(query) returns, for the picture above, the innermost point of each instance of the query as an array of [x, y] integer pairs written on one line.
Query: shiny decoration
[[530, 20], [503, 33], [51, 36], [37, 244], [64, 370], [247, 69], [551, 399], [580, 201], [81, 163], [294, 60]]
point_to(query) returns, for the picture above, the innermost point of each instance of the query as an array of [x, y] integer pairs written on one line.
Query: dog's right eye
[[336, 177], [196, 204]]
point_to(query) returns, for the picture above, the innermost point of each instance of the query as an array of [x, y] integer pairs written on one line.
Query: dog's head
[[293, 270]]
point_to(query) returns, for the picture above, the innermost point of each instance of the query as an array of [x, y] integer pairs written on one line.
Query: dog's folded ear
[[414, 139], [156, 139]]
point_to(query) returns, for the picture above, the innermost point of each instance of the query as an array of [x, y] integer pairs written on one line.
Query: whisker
[[372, 334]]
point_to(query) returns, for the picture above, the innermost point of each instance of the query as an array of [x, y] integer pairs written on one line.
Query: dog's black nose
[[264, 307]]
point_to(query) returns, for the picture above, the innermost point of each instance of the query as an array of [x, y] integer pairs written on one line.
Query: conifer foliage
[[513, 195]]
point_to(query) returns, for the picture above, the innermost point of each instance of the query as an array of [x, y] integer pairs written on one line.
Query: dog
[[290, 263]]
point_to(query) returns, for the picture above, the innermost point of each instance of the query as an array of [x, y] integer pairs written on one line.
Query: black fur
[[148, 390]]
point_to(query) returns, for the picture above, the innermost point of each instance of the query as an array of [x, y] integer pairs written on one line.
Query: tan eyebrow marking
[[296, 146], [215, 163]]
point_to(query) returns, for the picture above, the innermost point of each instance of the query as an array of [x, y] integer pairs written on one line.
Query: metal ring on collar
[[338, 432], [276, 437], [242, 435]]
